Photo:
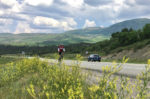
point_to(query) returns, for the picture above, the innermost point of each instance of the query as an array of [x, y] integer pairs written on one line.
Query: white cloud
[[130, 2], [71, 21], [6, 21], [39, 2], [74, 3], [13, 6], [8, 2], [117, 5], [17, 8], [5, 30], [66, 24], [39, 20], [89, 23], [102, 26], [60, 15], [23, 27], [1, 12], [24, 16]]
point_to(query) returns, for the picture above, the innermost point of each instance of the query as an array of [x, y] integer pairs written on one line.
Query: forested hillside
[[126, 39]]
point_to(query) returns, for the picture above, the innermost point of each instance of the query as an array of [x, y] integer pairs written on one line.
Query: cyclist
[[61, 50]]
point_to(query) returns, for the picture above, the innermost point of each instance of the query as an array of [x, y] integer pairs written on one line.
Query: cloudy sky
[[55, 16]]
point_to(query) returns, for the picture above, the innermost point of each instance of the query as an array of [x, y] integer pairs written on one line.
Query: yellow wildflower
[[149, 61]]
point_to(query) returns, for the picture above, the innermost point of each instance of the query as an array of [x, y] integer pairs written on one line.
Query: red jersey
[[61, 48]]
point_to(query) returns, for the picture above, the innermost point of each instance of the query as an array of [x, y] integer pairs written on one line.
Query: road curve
[[129, 69]]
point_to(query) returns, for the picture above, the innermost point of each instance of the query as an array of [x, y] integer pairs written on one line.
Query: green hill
[[86, 35], [48, 39], [89, 30]]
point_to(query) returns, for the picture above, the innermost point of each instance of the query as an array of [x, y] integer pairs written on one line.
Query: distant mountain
[[89, 30], [135, 24], [86, 35]]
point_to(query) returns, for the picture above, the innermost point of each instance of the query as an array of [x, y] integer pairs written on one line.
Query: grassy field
[[35, 79], [6, 59]]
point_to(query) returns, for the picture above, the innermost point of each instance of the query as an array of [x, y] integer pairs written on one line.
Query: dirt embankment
[[139, 54]]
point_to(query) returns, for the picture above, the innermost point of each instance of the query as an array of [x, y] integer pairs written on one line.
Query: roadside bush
[[113, 87], [33, 78]]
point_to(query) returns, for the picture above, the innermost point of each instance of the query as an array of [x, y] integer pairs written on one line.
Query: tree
[[146, 31], [130, 30], [125, 30]]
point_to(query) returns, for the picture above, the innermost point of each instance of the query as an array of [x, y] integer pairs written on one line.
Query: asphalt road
[[128, 69]]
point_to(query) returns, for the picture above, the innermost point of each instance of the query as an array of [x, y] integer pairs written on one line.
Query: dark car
[[94, 57]]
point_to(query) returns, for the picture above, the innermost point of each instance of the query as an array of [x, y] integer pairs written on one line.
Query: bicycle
[[60, 57]]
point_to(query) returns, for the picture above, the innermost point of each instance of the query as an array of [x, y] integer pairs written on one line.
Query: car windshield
[[91, 55], [94, 55]]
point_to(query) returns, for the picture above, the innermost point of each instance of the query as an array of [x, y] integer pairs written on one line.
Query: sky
[[57, 16]]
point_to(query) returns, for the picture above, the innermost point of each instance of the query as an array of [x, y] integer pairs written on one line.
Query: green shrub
[[33, 78]]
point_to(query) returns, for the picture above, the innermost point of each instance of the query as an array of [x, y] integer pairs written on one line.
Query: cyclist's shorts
[[60, 53]]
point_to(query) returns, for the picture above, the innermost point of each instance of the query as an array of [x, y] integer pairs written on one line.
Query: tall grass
[[4, 60], [36, 79]]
